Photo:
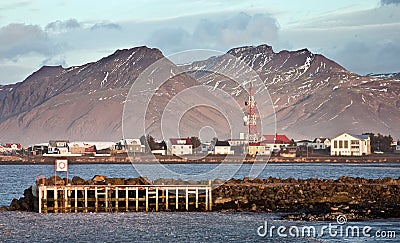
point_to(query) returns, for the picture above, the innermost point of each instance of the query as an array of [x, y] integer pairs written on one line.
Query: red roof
[[9, 145], [186, 141], [276, 139], [254, 144]]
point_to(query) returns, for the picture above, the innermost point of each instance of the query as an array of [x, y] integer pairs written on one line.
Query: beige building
[[348, 144]]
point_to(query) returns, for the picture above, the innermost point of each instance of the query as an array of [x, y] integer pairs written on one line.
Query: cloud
[[63, 26], [222, 32], [20, 39], [239, 29], [388, 2], [55, 61], [105, 25]]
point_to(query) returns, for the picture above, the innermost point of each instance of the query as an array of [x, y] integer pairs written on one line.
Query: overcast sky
[[363, 36]]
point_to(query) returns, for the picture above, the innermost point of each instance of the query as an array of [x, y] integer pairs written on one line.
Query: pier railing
[[123, 198]]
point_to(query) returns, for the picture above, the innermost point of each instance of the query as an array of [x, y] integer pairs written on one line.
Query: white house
[[321, 143], [132, 145], [222, 147], [58, 147], [180, 146], [348, 144]]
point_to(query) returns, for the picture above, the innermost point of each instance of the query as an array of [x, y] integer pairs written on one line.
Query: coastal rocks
[[312, 199], [25, 203]]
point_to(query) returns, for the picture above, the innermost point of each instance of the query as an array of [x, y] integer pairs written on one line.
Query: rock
[[3, 208], [14, 206], [99, 179], [76, 180], [132, 181], [54, 180], [218, 182], [115, 181]]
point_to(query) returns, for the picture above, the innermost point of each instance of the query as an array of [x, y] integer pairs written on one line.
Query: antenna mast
[[251, 115]]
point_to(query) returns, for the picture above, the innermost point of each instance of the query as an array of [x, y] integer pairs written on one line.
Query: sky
[[363, 36]]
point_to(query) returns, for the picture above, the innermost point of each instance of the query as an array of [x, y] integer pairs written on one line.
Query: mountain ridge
[[312, 95]]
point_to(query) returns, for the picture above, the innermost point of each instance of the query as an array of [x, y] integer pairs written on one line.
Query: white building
[[348, 144], [222, 147], [321, 143], [131, 145], [180, 146]]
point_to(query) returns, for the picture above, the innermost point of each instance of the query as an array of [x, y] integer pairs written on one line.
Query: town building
[[321, 143], [348, 144], [13, 146], [259, 148], [131, 145], [222, 147], [160, 148], [238, 146], [180, 146], [396, 147], [288, 152], [58, 147], [274, 143], [306, 143]]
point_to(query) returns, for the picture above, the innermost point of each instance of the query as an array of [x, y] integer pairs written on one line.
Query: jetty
[[123, 198]]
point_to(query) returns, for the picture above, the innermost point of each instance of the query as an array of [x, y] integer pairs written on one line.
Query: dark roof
[[361, 137], [322, 140], [222, 143], [304, 141], [174, 141]]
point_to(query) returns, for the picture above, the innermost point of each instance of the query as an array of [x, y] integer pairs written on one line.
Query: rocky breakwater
[[312, 199], [297, 199]]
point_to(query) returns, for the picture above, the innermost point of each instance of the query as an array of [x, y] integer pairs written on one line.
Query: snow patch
[[104, 80]]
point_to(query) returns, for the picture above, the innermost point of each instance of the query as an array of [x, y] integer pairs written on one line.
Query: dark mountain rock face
[[311, 95]]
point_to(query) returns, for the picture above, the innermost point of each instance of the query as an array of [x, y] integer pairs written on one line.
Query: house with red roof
[[180, 146], [275, 142], [14, 146]]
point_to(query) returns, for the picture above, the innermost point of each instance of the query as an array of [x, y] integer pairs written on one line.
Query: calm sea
[[186, 227]]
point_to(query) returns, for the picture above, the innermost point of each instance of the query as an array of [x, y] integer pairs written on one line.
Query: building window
[[346, 144], [340, 144], [335, 144]]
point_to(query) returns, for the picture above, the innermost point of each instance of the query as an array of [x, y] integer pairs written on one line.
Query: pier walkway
[[123, 198]]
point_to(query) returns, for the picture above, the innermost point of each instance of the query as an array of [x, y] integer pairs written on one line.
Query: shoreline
[[214, 159]]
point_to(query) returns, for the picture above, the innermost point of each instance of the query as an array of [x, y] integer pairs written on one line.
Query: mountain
[[311, 95]]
